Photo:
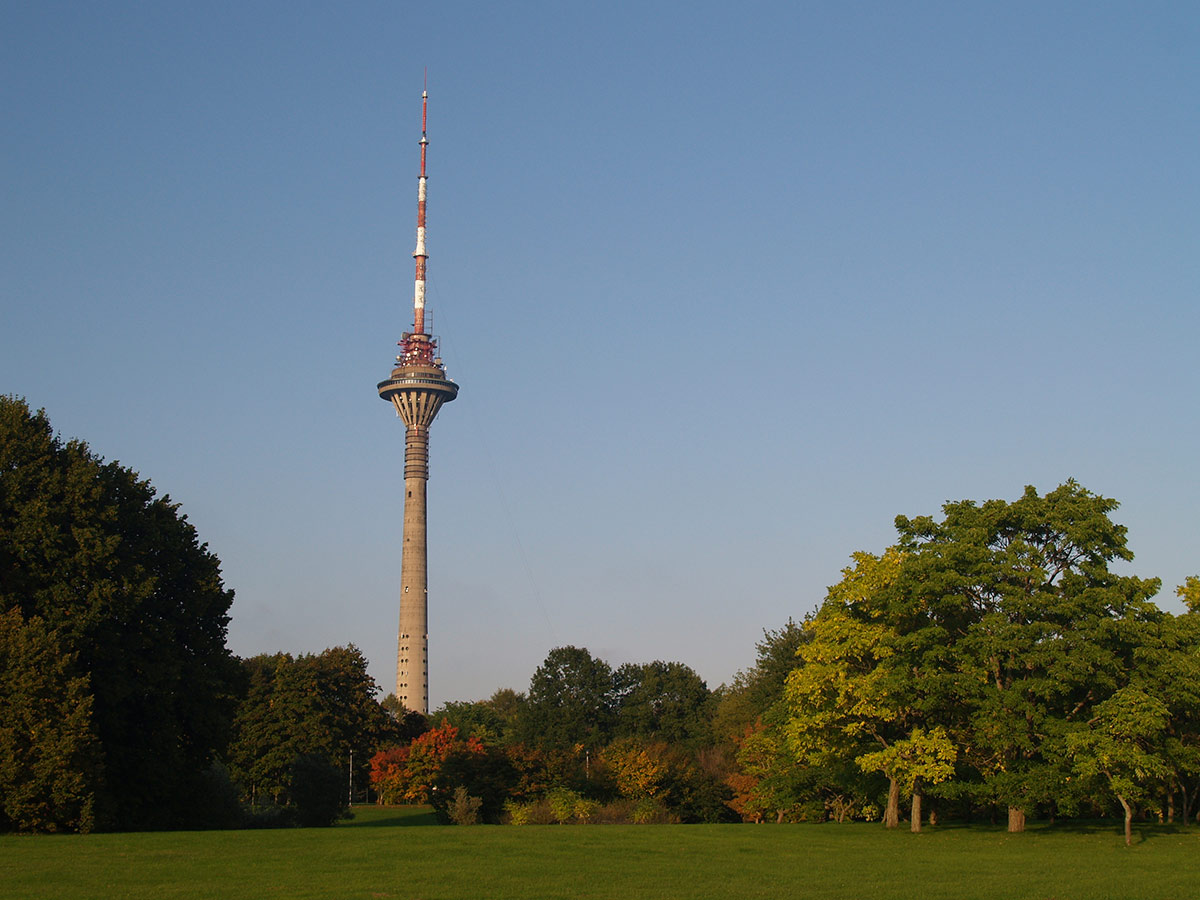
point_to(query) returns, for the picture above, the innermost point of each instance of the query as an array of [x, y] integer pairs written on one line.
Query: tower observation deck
[[417, 388]]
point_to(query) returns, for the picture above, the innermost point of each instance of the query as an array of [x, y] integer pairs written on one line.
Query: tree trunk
[[1171, 805], [891, 818], [1128, 820], [779, 817], [916, 813], [1187, 805], [933, 815], [1016, 819]]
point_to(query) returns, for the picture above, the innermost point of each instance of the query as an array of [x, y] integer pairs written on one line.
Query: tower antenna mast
[[419, 254]]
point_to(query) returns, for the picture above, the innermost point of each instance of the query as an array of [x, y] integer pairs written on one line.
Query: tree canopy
[[98, 571], [981, 651], [316, 706]]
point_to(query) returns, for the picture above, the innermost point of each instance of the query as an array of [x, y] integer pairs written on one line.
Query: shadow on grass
[[390, 817], [1142, 830]]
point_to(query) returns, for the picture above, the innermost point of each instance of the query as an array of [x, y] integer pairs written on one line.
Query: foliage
[[663, 700], [965, 661], [135, 601], [641, 771], [387, 774], [217, 805], [1041, 629], [563, 803], [434, 765], [1120, 745], [518, 813], [310, 705], [475, 719], [48, 753], [768, 781], [924, 757], [494, 720], [570, 701], [650, 812], [669, 776], [1189, 592], [464, 809], [318, 791], [485, 772]]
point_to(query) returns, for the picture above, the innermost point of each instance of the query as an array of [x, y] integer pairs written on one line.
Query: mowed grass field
[[386, 853]]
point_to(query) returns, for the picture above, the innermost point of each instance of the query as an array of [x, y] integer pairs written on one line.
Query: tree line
[[990, 663]]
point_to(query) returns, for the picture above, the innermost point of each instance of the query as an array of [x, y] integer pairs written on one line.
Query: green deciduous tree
[[311, 705], [49, 757], [1000, 628], [571, 701], [857, 688], [1119, 745], [1041, 629], [136, 602], [922, 758], [663, 700]]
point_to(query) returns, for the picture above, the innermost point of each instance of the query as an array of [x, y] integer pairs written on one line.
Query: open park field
[[386, 853]]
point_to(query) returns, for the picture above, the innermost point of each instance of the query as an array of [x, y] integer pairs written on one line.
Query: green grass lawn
[[384, 853]]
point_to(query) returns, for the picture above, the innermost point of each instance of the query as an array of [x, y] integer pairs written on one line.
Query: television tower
[[417, 388]]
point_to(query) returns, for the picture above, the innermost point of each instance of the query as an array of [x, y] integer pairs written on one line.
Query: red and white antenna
[[419, 254]]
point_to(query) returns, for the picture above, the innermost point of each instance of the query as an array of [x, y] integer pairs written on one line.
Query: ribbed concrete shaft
[[412, 657]]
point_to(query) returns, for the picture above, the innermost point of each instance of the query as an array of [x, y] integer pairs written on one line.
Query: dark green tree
[[1042, 629], [320, 705], [121, 580], [318, 791], [49, 758], [570, 701], [666, 701]]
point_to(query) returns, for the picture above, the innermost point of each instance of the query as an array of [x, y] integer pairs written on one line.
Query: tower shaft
[[412, 654]]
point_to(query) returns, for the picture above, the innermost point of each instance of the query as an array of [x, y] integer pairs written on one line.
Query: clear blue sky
[[726, 288]]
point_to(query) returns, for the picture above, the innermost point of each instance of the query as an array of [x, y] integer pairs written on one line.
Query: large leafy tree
[[866, 674], [1001, 630], [119, 578], [316, 705], [1042, 630], [663, 700], [571, 701], [1119, 746]]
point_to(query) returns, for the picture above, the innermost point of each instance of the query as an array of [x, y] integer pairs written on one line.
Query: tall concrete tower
[[417, 388]]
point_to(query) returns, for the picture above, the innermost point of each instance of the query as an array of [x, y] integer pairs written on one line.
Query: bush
[[563, 802], [517, 813], [649, 812], [585, 809], [619, 812], [464, 809], [216, 804], [318, 791]]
